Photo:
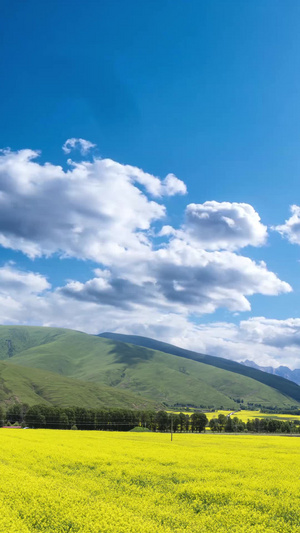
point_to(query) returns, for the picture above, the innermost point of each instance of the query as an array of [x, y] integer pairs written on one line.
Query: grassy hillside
[[282, 385], [14, 339], [32, 386], [159, 376]]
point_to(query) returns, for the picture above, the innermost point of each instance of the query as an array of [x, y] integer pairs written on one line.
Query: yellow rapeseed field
[[100, 482], [250, 415]]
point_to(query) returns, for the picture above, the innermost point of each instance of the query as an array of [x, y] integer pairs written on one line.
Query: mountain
[[282, 371], [88, 362], [281, 384], [35, 386]]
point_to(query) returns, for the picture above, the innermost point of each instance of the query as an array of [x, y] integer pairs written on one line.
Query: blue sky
[[205, 91]]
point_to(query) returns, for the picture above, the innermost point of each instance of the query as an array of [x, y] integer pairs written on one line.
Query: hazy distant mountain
[[282, 371]]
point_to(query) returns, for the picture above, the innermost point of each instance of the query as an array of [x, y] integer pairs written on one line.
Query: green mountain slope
[[284, 386], [35, 386], [14, 339], [153, 374]]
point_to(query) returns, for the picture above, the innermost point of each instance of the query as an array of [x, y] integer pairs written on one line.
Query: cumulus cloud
[[172, 186], [221, 225], [19, 291], [273, 332], [106, 290], [291, 228], [17, 282], [154, 297], [179, 278], [108, 212], [80, 144], [27, 298], [268, 342], [92, 211], [205, 281], [95, 210], [224, 339]]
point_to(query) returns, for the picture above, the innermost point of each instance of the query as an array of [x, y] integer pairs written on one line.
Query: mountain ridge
[[279, 383], [282, 371], [150, 375]]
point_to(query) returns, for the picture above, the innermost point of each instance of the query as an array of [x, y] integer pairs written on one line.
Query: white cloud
[[19, 291], [81, 144], [221, 225], [213, 279], [153, 185], [95, 210], [14, 282], [273, 332], [26, 298], [268, 342], [291, 228], [92, 211], [104, 211], [180, 279], [172, 186], [224, 339]]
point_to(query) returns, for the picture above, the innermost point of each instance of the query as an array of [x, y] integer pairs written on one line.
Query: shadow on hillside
[[129, 355]]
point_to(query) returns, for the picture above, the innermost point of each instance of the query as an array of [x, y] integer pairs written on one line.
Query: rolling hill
[[122, 368], [283, 385], [35, 386]]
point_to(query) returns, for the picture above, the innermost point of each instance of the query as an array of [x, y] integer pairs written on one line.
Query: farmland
[[250, 415], [73, 481]]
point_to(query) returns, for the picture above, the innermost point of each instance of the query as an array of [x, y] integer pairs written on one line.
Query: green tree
[[63, 420], [34, 417], [183, 422], [162, 421], [2, 416], [229, 426], [16, 412], [222, 421], [70, 412], [214, 424], [199, 421], [176, 423], [238, 425]]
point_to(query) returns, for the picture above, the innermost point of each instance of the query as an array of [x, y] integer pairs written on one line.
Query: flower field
[[99, 482], [244, 415], [250, 415]]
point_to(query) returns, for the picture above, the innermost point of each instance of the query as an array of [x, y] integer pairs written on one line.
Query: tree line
[[258, 425], [41, 416], [49, 417]]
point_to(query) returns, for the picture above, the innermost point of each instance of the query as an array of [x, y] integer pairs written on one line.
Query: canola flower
[[246, 415], [100, 482], [250, 415]]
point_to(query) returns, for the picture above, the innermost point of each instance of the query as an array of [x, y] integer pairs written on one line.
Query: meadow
[[64, 367], [100, 482], [251, 415]]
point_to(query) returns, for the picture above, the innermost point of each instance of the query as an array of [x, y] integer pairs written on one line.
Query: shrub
[[139, 429]]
